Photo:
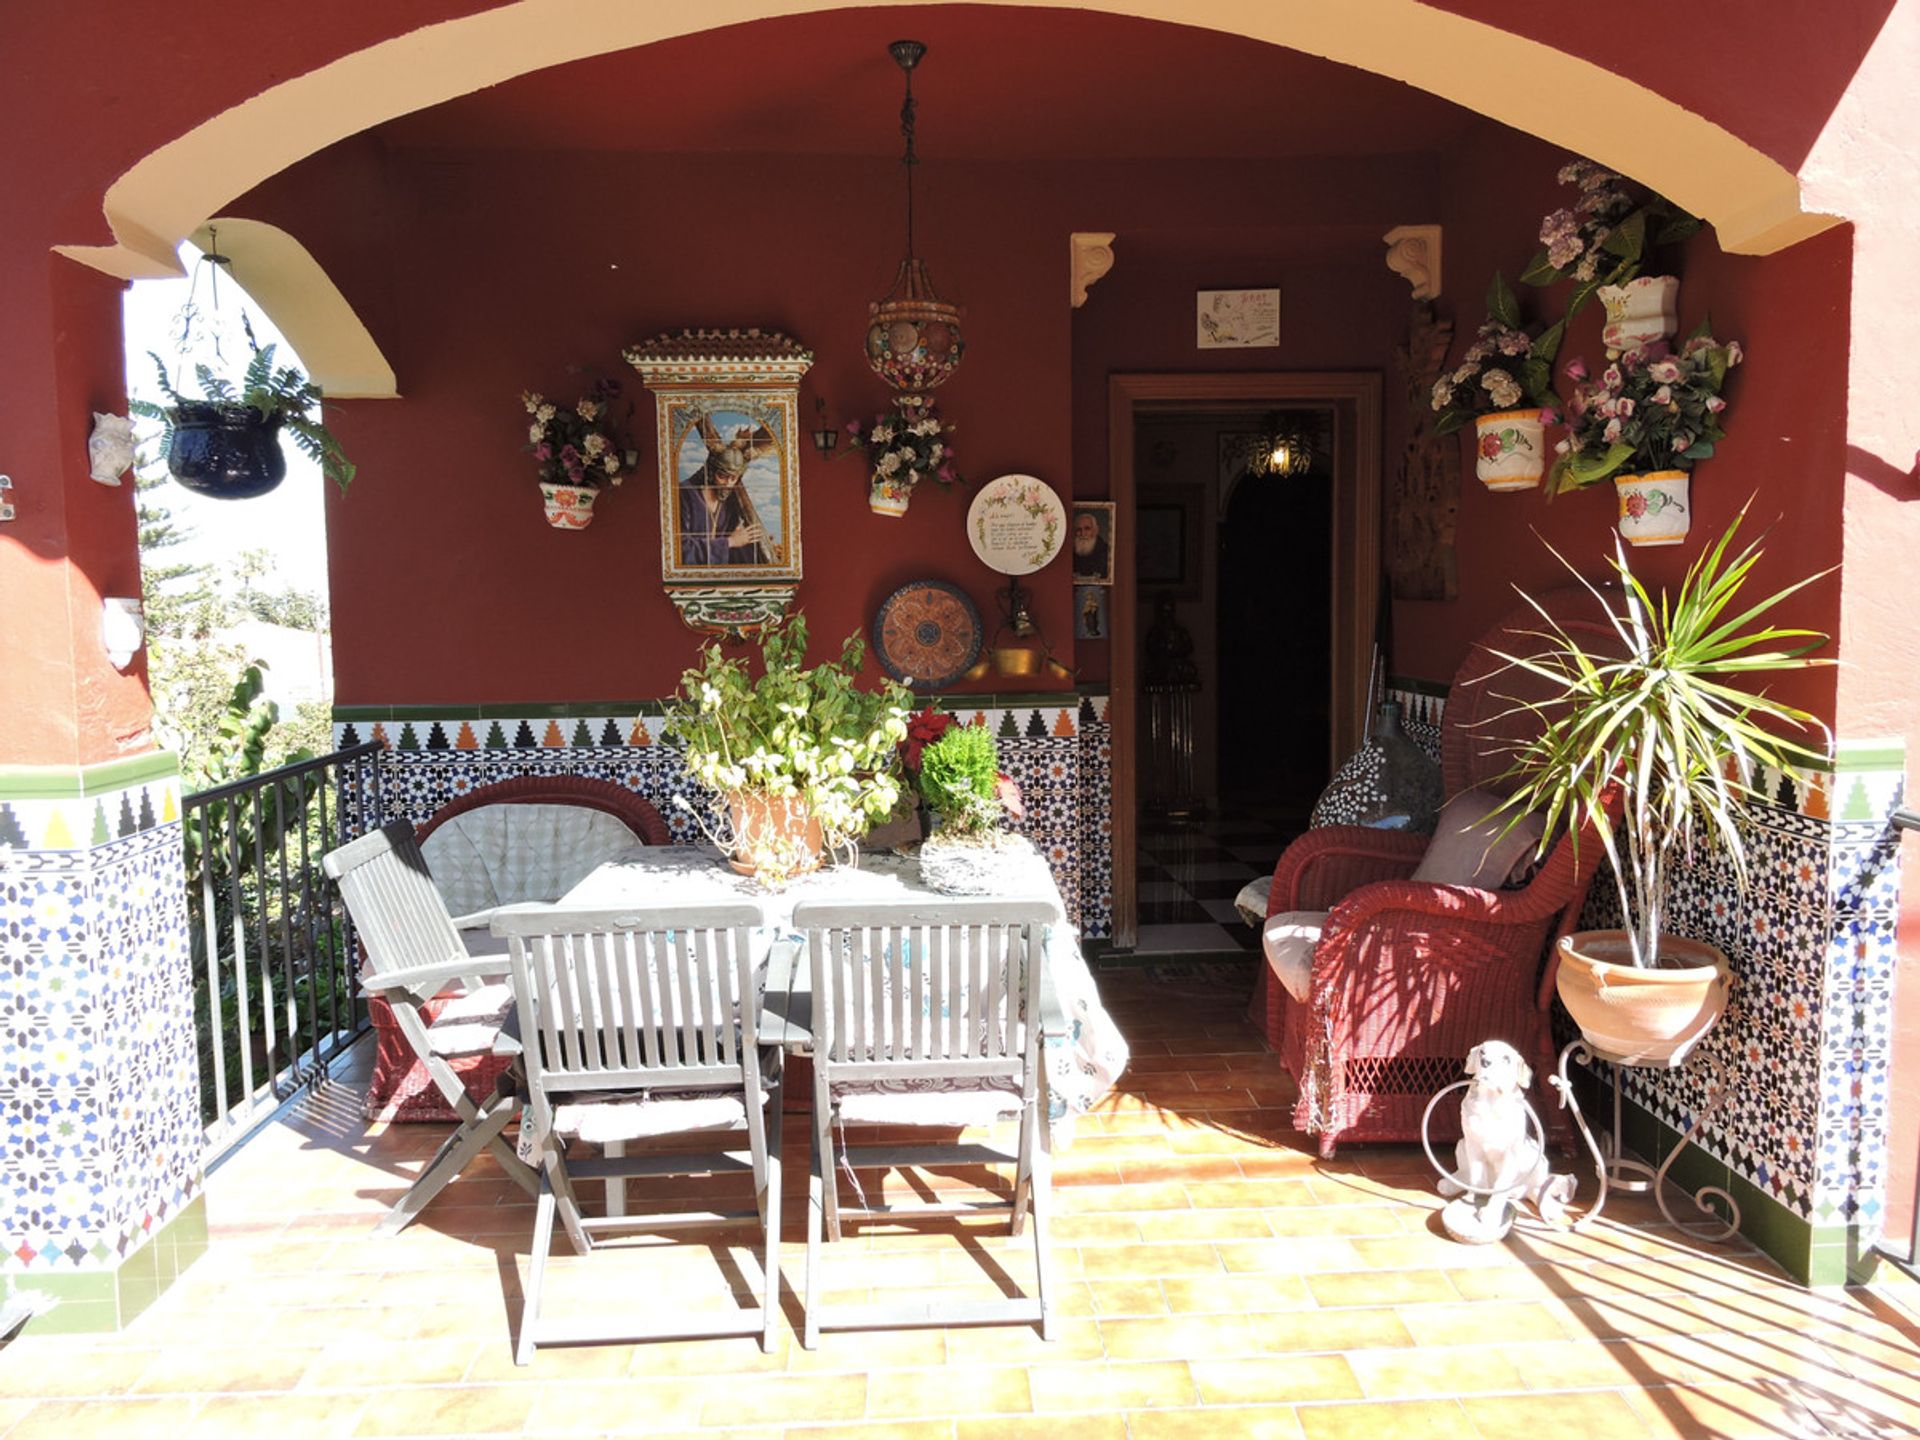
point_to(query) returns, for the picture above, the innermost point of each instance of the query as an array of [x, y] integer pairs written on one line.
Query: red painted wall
[[485, 274], [1786, 418]]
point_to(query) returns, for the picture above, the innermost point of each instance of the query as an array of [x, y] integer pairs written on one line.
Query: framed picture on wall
[[1090, 612], [1166, 545], [1093, 542], [1237, 319]]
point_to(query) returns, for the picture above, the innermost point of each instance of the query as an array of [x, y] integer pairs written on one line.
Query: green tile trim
[[1810, 1253], [1852, 755], [94, 1301], [60, 782], [595, 709]]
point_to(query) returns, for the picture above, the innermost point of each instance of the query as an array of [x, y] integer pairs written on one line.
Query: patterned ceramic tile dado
[[431, 760], [99, 1093]]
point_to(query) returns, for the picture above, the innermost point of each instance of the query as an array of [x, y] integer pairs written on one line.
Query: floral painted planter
[[890, 496], [1654, 508], [1643, 309], [569, 507], [1510, 449]]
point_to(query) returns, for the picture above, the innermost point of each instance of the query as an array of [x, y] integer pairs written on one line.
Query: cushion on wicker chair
[[1288, 940], [509, 853], [1469, 848]]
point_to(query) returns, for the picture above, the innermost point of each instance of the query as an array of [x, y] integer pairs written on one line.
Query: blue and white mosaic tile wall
[[99, 1090], [1805, 1048], [1059, 754]]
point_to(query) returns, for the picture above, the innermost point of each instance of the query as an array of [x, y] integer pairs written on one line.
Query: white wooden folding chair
[[927, 1014], [413, 954], [639, 1024]]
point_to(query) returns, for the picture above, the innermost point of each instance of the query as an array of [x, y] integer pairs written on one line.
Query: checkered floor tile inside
[[1190, 873]]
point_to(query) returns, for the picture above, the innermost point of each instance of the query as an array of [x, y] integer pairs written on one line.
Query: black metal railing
[[273, 948], [1908, 821]]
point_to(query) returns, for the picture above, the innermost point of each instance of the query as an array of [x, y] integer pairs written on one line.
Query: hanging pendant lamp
[[913, 336]]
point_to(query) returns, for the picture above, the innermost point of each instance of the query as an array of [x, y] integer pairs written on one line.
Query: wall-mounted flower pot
[[569, 507], [1654, 508], [889, 496], [228, 452], [1510, 449], [1641, 1016], [1645, 308]]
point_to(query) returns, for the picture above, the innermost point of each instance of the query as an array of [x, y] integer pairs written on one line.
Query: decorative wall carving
[[1423, 499], [1089, 258], [1413, 252]]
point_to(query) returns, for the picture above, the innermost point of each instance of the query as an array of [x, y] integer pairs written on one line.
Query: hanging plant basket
[[568, 507], [227, 452]]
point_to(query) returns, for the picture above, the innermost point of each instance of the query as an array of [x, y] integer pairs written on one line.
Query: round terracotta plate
[[927, 634]]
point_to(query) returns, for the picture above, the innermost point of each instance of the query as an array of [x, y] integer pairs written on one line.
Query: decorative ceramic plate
[[1016, 524], [927, 633]]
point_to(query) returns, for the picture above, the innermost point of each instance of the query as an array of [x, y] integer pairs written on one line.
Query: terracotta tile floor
[[1217, 1280]]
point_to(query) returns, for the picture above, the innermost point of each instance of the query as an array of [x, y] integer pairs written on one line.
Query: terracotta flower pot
[[775, 836], [1654, 507], [1510, 449], [569, 507], [1636, 1016]]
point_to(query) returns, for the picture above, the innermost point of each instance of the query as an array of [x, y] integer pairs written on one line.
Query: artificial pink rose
[[1576, 370]]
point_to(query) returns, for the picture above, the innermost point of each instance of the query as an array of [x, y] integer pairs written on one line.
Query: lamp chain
[[909, 159]]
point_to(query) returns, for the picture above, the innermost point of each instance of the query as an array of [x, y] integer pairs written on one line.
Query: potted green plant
[[1503, 385], [1644, 422], [804, 758], [960, 782], [226, 444], [1665, 728], [908, 444]]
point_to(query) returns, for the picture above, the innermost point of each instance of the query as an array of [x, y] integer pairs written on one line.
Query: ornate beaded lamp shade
[[913, 336]]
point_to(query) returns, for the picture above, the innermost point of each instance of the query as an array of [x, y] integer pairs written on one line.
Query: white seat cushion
[[1251, 902], [927, 1102], [1288, 940], [470, 1023], [621, 1119], [510, 854]]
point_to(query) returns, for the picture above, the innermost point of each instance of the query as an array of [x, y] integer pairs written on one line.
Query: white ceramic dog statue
[[1498, 1153]]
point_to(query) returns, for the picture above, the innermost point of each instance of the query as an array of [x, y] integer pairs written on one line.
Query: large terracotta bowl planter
[[777, 833], [1636, 1016]]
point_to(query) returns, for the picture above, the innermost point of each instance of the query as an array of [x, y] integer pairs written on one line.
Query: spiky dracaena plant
[[1669, 723], [285, 393]]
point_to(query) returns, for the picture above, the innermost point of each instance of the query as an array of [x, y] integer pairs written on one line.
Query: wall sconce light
[[123, 629], [825, 437], [109, 448]]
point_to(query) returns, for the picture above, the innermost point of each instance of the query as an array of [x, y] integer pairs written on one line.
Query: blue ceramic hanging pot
[[229, 452]]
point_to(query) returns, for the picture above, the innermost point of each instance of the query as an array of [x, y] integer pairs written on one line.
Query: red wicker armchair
[[1407, 977]]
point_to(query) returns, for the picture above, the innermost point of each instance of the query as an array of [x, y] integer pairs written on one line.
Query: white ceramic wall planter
[[1645, 308], [1655, 508], [569, 507], [1510, 449]]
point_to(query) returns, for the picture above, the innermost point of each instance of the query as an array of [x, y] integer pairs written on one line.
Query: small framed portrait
[[1090, 612], [1092, 548], [1167, 536], [728, 507]]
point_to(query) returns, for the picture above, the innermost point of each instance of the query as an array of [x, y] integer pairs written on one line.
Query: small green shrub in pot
[[958, 774]]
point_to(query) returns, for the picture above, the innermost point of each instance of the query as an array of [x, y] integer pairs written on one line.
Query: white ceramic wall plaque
[[1016, 524], [1236, 319]]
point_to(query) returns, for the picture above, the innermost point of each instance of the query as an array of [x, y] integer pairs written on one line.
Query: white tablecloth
[[1082, 1064]]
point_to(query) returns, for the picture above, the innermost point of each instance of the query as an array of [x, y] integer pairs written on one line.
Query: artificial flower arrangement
[[583, 445], [1651, 409], [805, 745], [1601, 239], [1503, 369], [906, 445]]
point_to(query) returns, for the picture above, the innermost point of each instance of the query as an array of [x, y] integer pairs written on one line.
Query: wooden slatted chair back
[[914, 989], [399, 915], [626, 999]]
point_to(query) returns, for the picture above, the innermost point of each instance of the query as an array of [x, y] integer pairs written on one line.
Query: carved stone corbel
[[1089, 257], [1413, 252]]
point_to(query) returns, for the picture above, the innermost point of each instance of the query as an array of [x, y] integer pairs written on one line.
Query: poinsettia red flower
[[923, 728], [1007, 791]]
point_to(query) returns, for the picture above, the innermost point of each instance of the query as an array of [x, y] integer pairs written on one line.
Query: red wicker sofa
[[1408, 977]]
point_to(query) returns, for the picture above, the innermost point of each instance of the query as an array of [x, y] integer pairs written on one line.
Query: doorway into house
[[1235, 599]]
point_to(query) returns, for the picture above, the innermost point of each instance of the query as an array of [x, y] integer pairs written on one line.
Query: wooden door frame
[[1355, 398]]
